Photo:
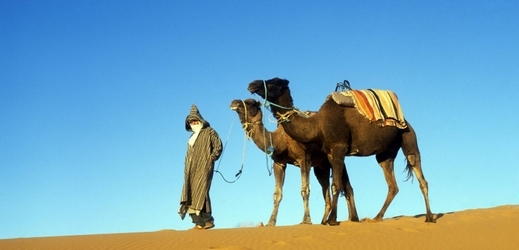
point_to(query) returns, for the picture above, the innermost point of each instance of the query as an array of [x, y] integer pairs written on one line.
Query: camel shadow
[[436, 217]]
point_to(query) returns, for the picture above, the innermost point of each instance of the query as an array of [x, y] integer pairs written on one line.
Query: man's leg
[[197, 219], [207, 218]]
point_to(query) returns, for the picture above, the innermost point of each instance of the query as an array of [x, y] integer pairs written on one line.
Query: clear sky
[[94, 94]]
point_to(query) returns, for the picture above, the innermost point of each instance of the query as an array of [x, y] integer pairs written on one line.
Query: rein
[[268, 103], [282, 117], [237, 175]]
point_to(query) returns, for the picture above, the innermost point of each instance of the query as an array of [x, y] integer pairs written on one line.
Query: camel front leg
[[279, 176], [336, 158], [305, 189]]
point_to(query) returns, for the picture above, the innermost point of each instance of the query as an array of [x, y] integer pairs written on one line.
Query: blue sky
[[94, 95]]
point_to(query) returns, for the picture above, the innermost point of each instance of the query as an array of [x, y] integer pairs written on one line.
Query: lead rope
[[270, 150], [237, 175]]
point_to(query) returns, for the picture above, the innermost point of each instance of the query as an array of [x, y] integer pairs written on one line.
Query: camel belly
[[373, 145]]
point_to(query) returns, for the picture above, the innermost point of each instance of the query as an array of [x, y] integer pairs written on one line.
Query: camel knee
[[277, 197], [305, 193], [393, 190], [348, 191], [411, 159], [424, 187], [335, 190]]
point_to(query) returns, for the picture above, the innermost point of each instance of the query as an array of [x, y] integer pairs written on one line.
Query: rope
[[248, 134], [285, 117], [345, 85], [268, 151], [268, 103], [237, 175]]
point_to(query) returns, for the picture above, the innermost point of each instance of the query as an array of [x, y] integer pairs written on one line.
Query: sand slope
[[489, 228]]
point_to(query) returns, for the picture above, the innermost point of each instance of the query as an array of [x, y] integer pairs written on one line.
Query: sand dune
[[488, 228]]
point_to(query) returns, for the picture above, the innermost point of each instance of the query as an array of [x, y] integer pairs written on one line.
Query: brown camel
[[286, 150], [343, 131]]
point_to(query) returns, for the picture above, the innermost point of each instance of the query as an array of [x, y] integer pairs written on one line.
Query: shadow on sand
[[436, 217]]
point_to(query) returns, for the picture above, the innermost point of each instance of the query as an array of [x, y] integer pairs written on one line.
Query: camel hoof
[[333, 223], [430, 220], [371, 220], [378, 219], [306, 223]]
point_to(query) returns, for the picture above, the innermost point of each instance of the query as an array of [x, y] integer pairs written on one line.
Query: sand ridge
[[485, 228]]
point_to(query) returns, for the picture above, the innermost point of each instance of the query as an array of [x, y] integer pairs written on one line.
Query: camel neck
[[295, 125], [259, 135]]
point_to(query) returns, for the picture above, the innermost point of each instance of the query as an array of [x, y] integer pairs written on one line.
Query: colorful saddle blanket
[[380, 106]]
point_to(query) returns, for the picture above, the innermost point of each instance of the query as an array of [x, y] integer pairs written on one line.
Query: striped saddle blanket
[[380, 106]]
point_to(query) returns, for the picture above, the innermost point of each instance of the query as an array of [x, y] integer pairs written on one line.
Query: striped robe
[[198, 171]]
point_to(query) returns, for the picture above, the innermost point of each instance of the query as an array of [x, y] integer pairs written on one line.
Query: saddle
[[376, 105]]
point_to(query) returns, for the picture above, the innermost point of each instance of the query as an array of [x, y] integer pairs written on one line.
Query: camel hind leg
[[322, 173], [336, 158], [387, 163], [413, 162], [412, 154], [348, 193]]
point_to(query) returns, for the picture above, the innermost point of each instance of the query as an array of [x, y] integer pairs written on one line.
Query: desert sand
[[484, 228]]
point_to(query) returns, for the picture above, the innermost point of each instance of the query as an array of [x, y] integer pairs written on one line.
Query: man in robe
[[203, 149]]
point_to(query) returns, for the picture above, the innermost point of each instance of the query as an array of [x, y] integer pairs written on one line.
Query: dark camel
[[342, 132], [286, 150]]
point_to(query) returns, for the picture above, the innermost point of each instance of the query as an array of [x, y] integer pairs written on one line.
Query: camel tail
[[409, 169], [410, 149]]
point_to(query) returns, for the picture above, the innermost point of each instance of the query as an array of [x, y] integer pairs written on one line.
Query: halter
[[268, 150], [282, 117], [268, 103], [246, 125]]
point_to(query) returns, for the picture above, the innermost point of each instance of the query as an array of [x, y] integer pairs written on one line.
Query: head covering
[[194, 114]]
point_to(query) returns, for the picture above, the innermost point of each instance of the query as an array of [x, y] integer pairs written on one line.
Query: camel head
[[249, 111], [274, 88]]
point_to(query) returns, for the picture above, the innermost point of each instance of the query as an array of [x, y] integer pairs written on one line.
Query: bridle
[[282, 117], [247, 127]]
